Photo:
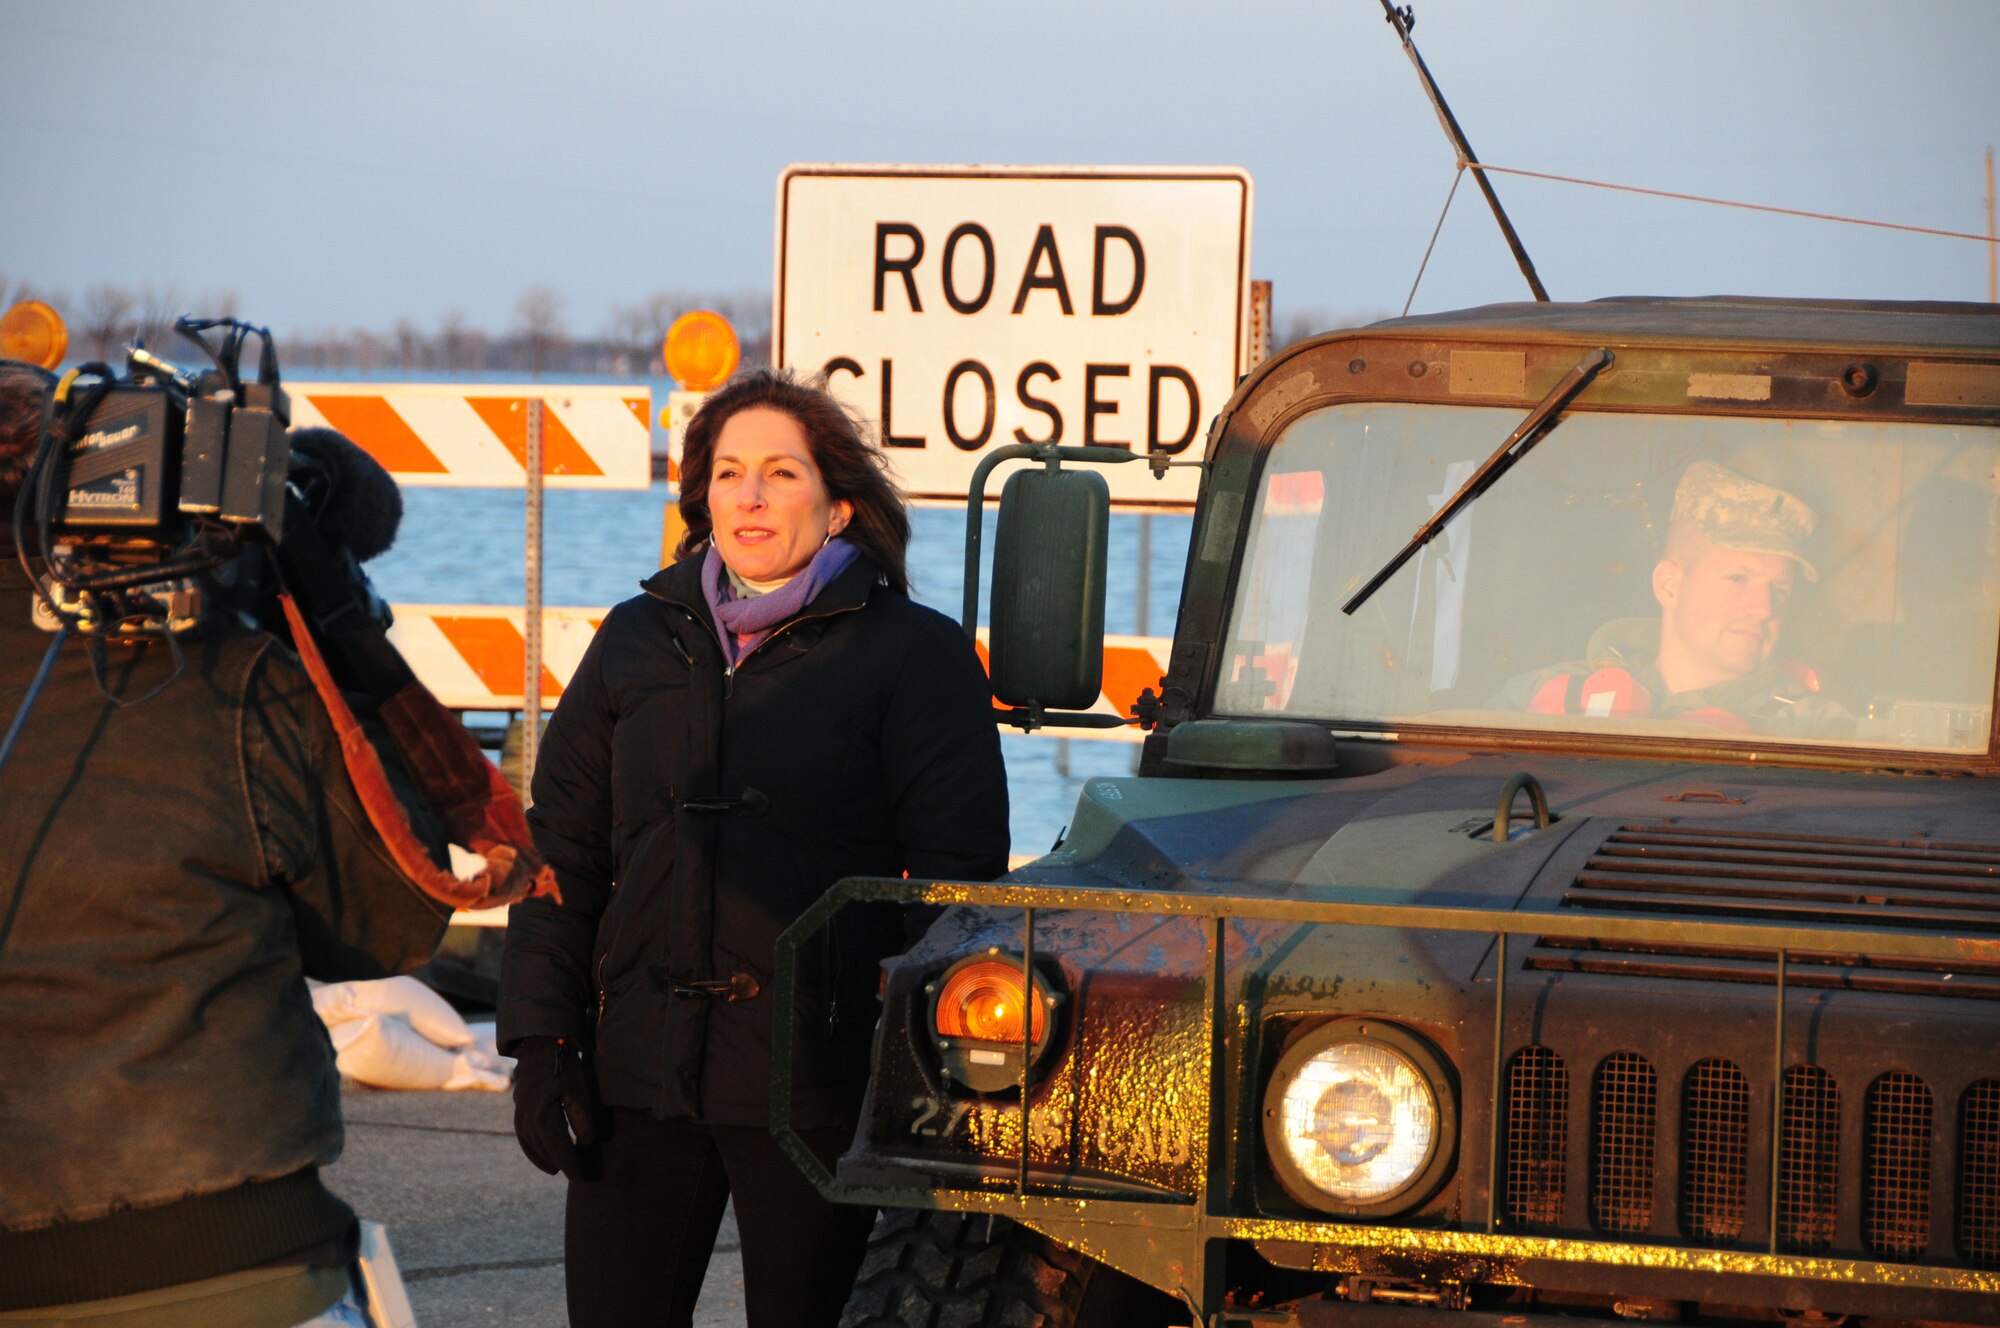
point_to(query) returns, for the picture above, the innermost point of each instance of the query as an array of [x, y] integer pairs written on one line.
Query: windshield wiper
[[1527, 433]]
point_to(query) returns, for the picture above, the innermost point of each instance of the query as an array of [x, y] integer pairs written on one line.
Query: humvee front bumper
[[1175, 1236]]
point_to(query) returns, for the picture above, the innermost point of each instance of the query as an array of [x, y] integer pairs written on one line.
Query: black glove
[[557, 1118]]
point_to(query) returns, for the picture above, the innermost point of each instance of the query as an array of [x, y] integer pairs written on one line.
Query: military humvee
[[1601, 917]]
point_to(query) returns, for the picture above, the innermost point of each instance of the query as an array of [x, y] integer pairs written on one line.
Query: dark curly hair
[[22, 394], [851, 467]]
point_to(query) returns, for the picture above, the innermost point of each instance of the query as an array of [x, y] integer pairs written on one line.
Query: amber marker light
[[701, 350], [978, 1011], [34, 332], [983, 1001]]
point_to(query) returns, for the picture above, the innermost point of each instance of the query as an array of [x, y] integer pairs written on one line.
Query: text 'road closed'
[[959, 310]]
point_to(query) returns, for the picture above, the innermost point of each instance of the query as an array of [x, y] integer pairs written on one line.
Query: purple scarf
[[745, 623]]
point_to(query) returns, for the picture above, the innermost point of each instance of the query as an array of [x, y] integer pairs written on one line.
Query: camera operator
[[181, 844]]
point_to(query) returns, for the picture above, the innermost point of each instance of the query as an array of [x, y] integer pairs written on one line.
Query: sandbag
[[398, 1033], [417, 1005]]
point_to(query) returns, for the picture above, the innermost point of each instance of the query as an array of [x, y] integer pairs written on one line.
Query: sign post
[[531, 673], [969, 308]]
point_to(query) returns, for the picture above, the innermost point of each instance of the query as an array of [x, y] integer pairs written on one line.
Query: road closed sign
[[964, 309]]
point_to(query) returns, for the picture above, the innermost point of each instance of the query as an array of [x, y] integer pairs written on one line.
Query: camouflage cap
[[1737, 512]]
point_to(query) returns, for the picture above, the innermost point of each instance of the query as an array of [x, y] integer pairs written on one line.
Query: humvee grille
[[1718, 1129], [1715, 1149], [1896, 1167], [1808, 1160], [1720, 872], [1537, 1136], [1626, 1110], [1729, 872], [1979, 1174]]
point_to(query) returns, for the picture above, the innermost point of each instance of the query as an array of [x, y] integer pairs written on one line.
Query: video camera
[[143, 482], [166, 499], [150, 489]]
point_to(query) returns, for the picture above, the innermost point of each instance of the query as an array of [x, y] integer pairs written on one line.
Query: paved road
[[476, 1230]]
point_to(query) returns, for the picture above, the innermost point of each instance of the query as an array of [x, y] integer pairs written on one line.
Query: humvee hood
[[1718, 842]]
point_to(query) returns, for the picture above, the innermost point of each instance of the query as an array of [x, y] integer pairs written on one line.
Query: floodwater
[[466, 546]]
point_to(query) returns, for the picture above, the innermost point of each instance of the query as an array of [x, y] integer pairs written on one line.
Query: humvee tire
[[928, 1268]]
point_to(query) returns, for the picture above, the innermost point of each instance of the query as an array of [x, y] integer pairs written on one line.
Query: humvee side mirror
[[1046, 638], [1046, 643]]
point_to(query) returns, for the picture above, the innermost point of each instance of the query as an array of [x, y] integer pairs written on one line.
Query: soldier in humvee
[[1734, 553]]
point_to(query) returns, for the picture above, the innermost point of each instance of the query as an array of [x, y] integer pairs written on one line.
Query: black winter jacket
[[692, 812], [167, 872]]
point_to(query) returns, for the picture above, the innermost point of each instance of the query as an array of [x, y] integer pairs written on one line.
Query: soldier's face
[[1725, 607]]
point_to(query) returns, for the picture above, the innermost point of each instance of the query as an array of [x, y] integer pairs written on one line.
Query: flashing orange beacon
[[701, 350], [34, 332]]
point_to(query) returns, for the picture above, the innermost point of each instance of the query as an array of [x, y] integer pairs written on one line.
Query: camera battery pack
[[204, 448], [123, 463], [259, 455]]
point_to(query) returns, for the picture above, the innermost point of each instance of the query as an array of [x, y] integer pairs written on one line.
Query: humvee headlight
[[980, 1010], [1359, 1116], [1358, 1121]]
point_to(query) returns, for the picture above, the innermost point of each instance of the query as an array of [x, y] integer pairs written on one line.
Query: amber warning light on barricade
[[701, 350], [34, 332]]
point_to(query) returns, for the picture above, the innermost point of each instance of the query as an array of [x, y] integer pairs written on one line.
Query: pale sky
[[352, 164]]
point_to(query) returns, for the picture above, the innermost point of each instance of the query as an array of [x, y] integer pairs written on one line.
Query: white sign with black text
[[963, 309]]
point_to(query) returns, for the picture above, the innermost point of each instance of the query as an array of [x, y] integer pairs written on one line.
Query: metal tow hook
[[1504, 809]]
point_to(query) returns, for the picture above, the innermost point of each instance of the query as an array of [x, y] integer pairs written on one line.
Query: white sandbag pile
[[398, 1033]]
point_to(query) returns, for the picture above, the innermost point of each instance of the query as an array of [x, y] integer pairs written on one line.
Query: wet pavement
[[476, 1229]]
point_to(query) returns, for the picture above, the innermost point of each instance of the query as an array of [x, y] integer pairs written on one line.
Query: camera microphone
[[345, 508], [352, 499]]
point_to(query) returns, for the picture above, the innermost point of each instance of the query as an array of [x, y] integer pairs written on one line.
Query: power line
[[1726, 202]]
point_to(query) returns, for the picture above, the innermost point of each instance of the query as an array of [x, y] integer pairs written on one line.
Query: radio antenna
[[1403, 20]]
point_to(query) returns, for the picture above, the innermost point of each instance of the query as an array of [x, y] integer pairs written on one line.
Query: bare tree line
[[626, 343], [109, 317]]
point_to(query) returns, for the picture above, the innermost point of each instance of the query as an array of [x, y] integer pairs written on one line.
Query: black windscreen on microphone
[[353, 500]]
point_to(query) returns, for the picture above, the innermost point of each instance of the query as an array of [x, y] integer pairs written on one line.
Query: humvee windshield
[[1757, 580]]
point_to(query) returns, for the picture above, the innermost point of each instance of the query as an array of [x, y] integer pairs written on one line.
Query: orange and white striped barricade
[[474, 656], [475, 435]]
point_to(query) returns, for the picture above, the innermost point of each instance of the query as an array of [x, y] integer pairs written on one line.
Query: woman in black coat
[[773, 714]]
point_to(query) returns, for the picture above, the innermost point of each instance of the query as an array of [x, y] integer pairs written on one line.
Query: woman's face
[[768, 505]]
